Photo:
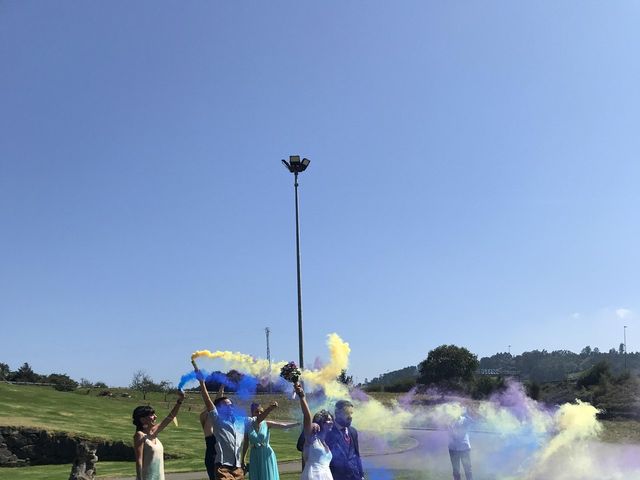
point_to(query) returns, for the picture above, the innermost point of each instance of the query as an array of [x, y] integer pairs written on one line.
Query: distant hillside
[[542, 366], [396, 381], [539, 366]]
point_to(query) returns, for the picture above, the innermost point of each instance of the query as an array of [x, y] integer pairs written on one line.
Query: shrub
[[484, 386], [62, 382], [533, 390], [594, 375]]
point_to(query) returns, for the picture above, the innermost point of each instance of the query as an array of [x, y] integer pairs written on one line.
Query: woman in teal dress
[[263, 464]]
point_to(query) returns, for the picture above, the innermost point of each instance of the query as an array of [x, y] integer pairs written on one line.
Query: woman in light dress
[[263, 464], [146, 444], [316, 453]]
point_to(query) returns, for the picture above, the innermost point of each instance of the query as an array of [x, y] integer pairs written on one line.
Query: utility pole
[[267, 332], [625, 348]]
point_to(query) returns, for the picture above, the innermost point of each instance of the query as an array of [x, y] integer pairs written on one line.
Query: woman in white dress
[[148, 449], [316, 453]]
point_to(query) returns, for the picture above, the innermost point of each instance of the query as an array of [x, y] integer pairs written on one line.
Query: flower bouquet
[[291, 373]]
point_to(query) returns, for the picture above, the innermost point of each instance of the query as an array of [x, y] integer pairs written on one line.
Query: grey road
[[369, 447]]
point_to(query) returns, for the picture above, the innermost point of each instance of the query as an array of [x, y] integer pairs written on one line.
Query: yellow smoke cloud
[[375, 417], [241, 362], [324, 378], [505, 422], [575, 422]]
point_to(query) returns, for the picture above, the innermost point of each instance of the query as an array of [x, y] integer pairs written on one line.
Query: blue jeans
[[464, 457]]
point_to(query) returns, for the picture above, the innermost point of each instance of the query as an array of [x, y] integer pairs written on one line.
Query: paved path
[[429, 453], [283, 467], [291, 466]]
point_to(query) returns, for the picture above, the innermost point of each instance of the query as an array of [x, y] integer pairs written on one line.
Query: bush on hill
[[62, 382]]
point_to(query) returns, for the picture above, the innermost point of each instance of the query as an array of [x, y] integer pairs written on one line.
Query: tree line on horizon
[[447, 366], [25, 374], [451, 366], [233, 381]]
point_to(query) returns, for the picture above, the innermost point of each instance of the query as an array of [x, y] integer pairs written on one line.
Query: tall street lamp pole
[[296, 166]]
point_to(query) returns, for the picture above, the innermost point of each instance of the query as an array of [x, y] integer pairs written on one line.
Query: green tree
[[62, 382], [25, 374], [143, 383], [4, 371], [166, 387], [84, 383], [533, 390], [594, 375], [448, 364], [344, 378], [484, 385]]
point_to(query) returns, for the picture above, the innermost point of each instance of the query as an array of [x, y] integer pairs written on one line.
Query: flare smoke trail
[[324, 379]]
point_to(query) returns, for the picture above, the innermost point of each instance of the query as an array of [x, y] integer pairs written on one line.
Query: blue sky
[[474, 180]]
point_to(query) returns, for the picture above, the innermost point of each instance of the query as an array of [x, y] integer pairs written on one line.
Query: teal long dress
[[262, 459]]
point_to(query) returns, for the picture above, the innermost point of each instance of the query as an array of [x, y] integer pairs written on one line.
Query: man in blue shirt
[[228, 428]]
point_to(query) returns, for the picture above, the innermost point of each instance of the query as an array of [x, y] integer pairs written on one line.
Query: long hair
[[254, 407]]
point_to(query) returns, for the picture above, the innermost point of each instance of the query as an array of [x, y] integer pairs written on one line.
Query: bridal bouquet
[[291, 373]]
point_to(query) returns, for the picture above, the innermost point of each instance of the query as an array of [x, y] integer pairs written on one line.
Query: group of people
[[329, 445]]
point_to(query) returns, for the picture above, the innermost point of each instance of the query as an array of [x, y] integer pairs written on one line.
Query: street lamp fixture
[[296, 166]]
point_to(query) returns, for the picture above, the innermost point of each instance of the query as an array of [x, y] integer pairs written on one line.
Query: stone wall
[[29, 446]]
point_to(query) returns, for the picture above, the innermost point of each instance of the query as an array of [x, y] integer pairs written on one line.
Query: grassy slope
[[109, 418]]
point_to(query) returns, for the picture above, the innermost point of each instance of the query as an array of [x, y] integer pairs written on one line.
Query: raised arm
[[272, 424], [203, 388], [266, 412], [171, 416], [203, 419], [306, 413]]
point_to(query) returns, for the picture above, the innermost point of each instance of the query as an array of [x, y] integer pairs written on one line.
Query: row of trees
[[142, 382], [233, 381], [542, 366], [397, 381], [456, 368], [60, 381]]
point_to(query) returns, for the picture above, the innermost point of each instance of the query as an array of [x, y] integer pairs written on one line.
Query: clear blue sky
[[474, 179]]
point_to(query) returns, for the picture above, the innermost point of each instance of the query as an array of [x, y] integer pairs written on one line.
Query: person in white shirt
[[460, 447]]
